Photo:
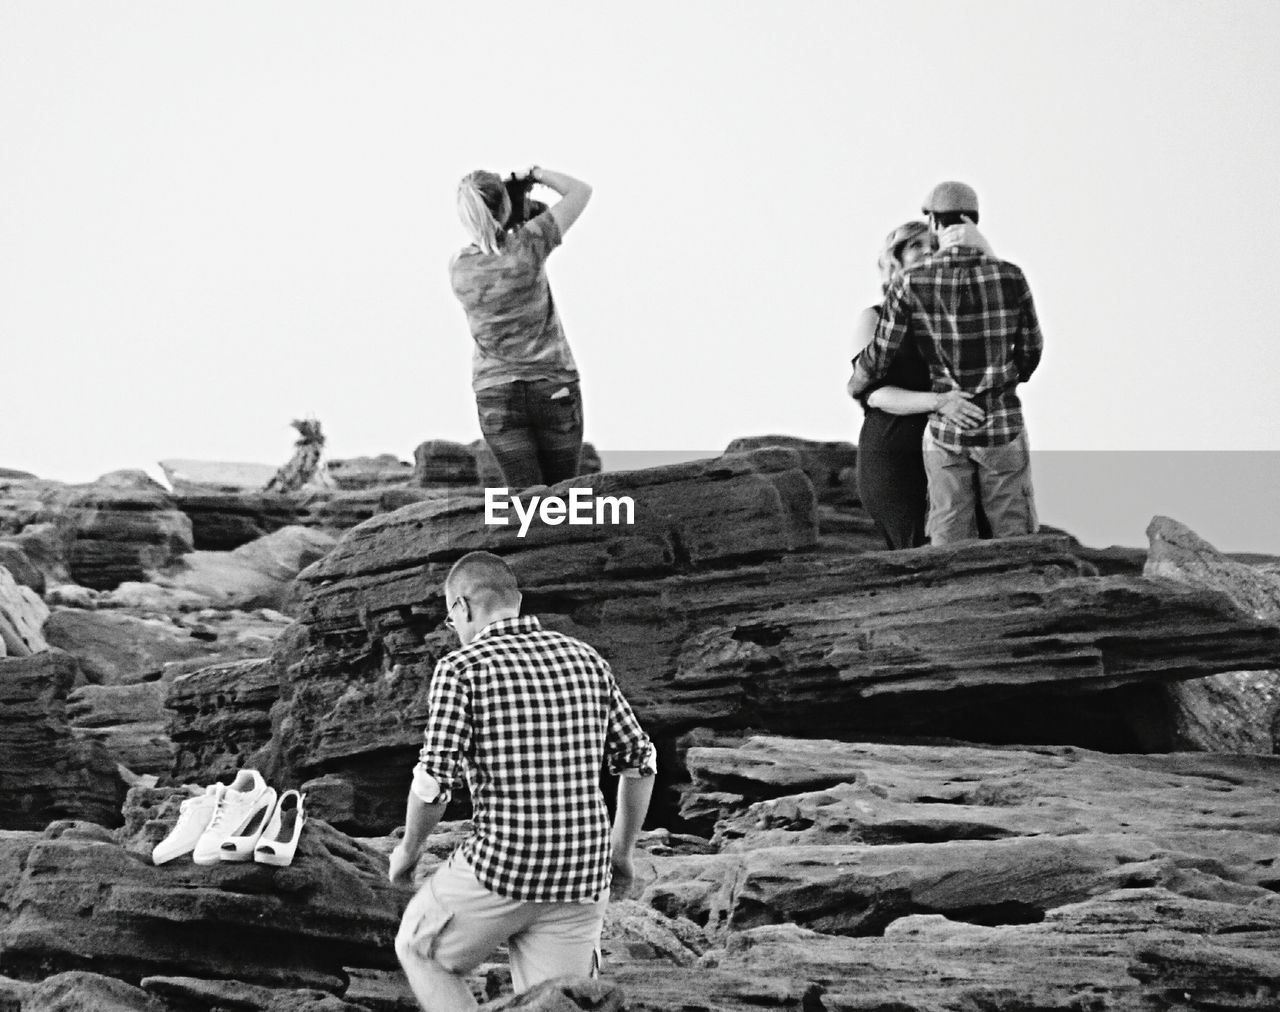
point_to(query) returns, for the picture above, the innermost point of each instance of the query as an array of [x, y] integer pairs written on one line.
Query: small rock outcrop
[[46, 771], [1237, 711], [22, 618], [255, 575], [123, 527], [77, 898], [219, 718]]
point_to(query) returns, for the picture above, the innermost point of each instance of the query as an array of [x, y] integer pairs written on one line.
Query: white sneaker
[[235, 808], [194, 815]]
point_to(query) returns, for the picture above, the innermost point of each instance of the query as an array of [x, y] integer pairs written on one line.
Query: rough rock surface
[[81, 991], [75, 898], [831, 466], [22, 616], [955, 877], [122, 527], [834, 875], [116, 648], [14, 558], [369, 472], [371, 628], [255, 575], [129, 720], [44, 547], [443, 464], [220, 718], [225, 521], [192, 994], [716, 609], [222, 521], [1232, 711], [46, 772], [188, 477]]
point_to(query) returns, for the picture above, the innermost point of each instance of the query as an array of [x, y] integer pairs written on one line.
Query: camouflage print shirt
[[512, 316]]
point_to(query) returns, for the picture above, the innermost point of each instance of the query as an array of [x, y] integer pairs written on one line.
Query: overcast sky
[[215, 218]]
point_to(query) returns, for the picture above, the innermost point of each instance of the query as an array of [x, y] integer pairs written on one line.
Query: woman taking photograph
[[522, 371], [890, 467]]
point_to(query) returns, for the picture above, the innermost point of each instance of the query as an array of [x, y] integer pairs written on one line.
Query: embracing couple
[[943, 452]]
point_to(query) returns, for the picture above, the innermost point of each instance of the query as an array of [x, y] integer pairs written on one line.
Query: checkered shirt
[[973, 320], [526, 718]]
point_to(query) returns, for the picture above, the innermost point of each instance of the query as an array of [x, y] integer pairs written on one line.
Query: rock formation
[[122, 527], [46, 772], [1236, 711], [899, 781], [719, 608], [22, 618], [78, 898]]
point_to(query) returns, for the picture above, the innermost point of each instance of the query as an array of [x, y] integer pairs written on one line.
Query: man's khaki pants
[[458, 923], [998, 477]]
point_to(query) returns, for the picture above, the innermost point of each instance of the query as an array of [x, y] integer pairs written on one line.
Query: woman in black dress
[[890, 469]]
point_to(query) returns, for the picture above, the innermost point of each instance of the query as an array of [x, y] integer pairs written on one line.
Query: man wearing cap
[[972, 317]]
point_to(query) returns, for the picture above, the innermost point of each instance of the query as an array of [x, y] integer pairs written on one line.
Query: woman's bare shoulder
[[864, 327]]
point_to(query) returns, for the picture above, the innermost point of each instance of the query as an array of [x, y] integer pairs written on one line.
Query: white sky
[[216, 217]]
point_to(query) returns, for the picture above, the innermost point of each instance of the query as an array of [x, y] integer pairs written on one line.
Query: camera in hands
[[523, 208]]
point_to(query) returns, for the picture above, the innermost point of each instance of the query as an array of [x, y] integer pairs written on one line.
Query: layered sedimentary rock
[[225, 521], [770, 792], [443, 464], [369, 472], [831, 466], [46, 772], [123, 527], [76, 898], [222, 521], [716, 608], [860, 876], [371, 627], [1232, 711], [219, 718], [226, 516], [129, 720]]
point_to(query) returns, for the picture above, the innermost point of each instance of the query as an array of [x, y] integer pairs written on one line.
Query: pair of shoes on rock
[[242, 821]]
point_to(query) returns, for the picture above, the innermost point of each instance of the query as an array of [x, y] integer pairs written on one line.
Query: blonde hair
[[483, 205], [890, 262]]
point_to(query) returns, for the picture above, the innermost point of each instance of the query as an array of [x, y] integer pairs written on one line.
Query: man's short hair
[[485, 579]]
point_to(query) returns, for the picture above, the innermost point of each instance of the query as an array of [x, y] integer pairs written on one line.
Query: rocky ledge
[[904, 782], [722, 607]]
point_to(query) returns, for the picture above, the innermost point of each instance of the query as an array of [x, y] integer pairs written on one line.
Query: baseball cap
[[950, 196]]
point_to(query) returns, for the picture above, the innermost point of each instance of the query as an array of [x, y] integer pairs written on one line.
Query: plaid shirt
[[526, 717], [973, 320]]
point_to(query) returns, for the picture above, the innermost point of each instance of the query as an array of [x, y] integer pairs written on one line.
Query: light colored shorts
[[458, 923]]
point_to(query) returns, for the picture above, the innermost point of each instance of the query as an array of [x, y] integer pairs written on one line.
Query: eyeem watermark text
[[582, 506]]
